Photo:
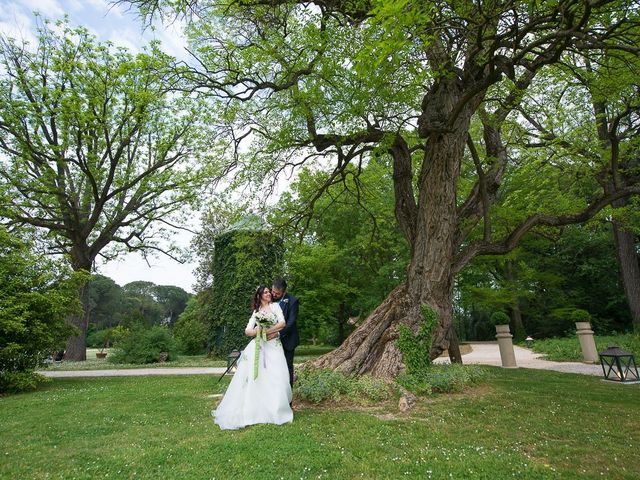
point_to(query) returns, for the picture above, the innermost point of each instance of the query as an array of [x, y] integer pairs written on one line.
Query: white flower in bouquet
[[264, 319]]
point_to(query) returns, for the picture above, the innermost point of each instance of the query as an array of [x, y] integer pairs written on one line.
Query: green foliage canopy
[[36, 295], [96, 152]]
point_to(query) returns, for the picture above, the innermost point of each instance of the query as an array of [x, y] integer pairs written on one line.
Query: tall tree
[[341, 81], [605, 137], [96, 153], [345, 259], [140, 303], [173, 301], [106, 302]]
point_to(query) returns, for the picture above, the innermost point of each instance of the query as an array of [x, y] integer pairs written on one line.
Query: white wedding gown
[[265, 399]]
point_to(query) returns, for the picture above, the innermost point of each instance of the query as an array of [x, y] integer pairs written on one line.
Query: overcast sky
[[122, 27]]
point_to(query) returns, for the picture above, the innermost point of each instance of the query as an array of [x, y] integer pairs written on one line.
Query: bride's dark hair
[[258, 296]]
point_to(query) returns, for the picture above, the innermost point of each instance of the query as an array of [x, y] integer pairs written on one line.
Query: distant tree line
[[140, 302]]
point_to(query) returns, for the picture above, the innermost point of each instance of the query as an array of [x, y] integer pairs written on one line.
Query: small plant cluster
[[318, 385], [500, 318], [447, 378], [142, 345], [416, 348]]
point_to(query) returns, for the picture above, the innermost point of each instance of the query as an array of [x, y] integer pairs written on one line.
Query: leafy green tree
[[173, 300], [350, 255], [97, 155], [605, 135], [106, 302], [191, 330], [140, 305], [431, 85], [36, 295], [551, 275]]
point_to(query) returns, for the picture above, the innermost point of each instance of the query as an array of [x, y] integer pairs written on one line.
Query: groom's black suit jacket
[[289, 334]]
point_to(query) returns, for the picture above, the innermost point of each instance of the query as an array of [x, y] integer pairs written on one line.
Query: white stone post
[[587, 343], [507, 355]]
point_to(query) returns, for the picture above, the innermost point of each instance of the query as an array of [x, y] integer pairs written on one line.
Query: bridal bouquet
[[264, 321]]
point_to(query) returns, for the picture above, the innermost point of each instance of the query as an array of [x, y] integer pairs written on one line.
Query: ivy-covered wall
[[243, 259]]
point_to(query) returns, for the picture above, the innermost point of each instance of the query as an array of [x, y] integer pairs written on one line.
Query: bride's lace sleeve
[[252, 321], [278, 311]]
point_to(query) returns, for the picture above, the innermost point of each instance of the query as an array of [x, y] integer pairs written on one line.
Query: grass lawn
[[303, 353], [567, 349], [523, 424]]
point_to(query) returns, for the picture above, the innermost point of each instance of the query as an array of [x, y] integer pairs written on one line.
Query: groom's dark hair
[[280, 284]]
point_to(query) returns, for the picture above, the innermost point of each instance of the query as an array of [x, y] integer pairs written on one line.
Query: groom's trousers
[[288, 355]]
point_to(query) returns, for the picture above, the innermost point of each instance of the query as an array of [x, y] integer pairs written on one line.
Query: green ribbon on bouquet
[[261, 336]]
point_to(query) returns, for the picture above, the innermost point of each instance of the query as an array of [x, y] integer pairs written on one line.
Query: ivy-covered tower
[[246, 255]]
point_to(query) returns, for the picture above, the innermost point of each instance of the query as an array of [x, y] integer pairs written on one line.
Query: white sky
[[109, 23]]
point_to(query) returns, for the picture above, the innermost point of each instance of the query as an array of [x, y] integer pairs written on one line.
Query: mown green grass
[[521, 424]]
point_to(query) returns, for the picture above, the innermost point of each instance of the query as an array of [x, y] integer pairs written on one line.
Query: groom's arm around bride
[[289, 334]]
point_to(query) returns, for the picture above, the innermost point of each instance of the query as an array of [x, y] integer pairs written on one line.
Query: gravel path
[[481, 354]]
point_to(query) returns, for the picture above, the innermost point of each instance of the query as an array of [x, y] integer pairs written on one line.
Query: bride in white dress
[[259, 391]]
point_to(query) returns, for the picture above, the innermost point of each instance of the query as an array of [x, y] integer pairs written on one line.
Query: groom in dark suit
[[289, 334]]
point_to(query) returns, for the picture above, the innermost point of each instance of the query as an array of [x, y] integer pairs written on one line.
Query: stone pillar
[[507, 355], [587, 343]]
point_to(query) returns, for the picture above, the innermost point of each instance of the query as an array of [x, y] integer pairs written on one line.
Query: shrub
[[445, 378], [500, 318], [579, 315], [415, 383], [318, 385], [36, 295], [191, 330], [145, 346], [100, 339]]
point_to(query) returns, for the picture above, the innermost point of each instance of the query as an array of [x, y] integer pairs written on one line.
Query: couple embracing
[[260, 390]]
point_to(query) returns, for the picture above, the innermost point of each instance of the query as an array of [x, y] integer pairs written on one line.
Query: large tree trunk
[[625, 243], [430, 226], [76, 349]]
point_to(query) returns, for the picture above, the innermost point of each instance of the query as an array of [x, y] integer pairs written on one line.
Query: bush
[[415, 383], [446, 378], [145, 346], [15, 382], [36, 295], [579, 315], [191, 330], [500, 318], [319, 385]]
